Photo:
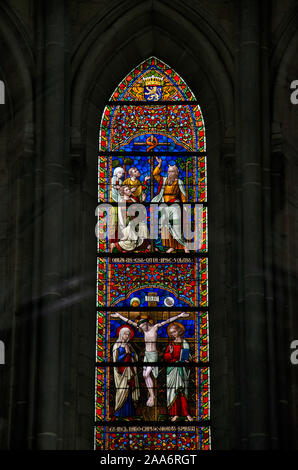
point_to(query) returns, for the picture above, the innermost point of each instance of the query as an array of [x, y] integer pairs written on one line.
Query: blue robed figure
[[126, 379]]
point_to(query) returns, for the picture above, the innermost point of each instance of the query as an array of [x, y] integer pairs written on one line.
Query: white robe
[[115, 194], [129, 239]]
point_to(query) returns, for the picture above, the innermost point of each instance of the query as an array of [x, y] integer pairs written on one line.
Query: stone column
[[282, 304], [268, 207], [53, 239], [254, 359], [23, 192]]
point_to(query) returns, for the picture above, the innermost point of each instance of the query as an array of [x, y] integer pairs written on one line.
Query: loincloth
[[152, 356]]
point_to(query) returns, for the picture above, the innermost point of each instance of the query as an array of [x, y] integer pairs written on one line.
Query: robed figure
[[125, 376], [177, 377], [171, 190]]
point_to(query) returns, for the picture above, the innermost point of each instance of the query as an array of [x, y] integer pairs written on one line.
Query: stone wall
[[62, 61]]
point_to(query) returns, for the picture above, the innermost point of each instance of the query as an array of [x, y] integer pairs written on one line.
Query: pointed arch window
[[152, 361]]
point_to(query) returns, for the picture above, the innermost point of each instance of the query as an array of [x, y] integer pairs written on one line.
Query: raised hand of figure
[[127, 350], [183, 314], [159, 160], [171, 349], [147, 178]]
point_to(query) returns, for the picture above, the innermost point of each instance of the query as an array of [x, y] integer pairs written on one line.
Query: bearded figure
[[171, 190]]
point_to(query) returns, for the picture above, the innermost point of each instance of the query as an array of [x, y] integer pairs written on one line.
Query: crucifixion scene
[[146, 384]]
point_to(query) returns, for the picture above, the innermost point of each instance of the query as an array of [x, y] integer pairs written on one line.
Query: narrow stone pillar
[[268, 207], [23, 183], [52, 238], [255, 370]]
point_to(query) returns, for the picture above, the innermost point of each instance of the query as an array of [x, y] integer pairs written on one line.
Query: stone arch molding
[[107, 51], [283, 63], [17, 68], [115, 43]]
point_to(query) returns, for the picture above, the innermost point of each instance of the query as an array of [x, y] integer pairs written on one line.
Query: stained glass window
[[152, 360]]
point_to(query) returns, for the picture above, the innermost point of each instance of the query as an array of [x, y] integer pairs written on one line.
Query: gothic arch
[[284, 35], [17, 69], [121, 42], [283, 71], [99, 64]]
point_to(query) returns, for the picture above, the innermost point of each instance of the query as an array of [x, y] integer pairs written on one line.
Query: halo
[[174, 323], [125, 326], [135, 299]]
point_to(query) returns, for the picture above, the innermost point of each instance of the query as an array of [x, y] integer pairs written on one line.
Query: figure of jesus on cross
[[150, 332]]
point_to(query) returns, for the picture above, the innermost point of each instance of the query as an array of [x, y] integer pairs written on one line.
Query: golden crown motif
[[153, 80]]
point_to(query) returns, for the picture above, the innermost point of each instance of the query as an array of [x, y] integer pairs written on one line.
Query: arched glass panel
[[152, 363]]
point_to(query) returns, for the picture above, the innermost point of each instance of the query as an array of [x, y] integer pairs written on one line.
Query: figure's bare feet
[[174, 418], [113, 246], [150, 401], [189, 418], [186, 250], [170, 250]]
